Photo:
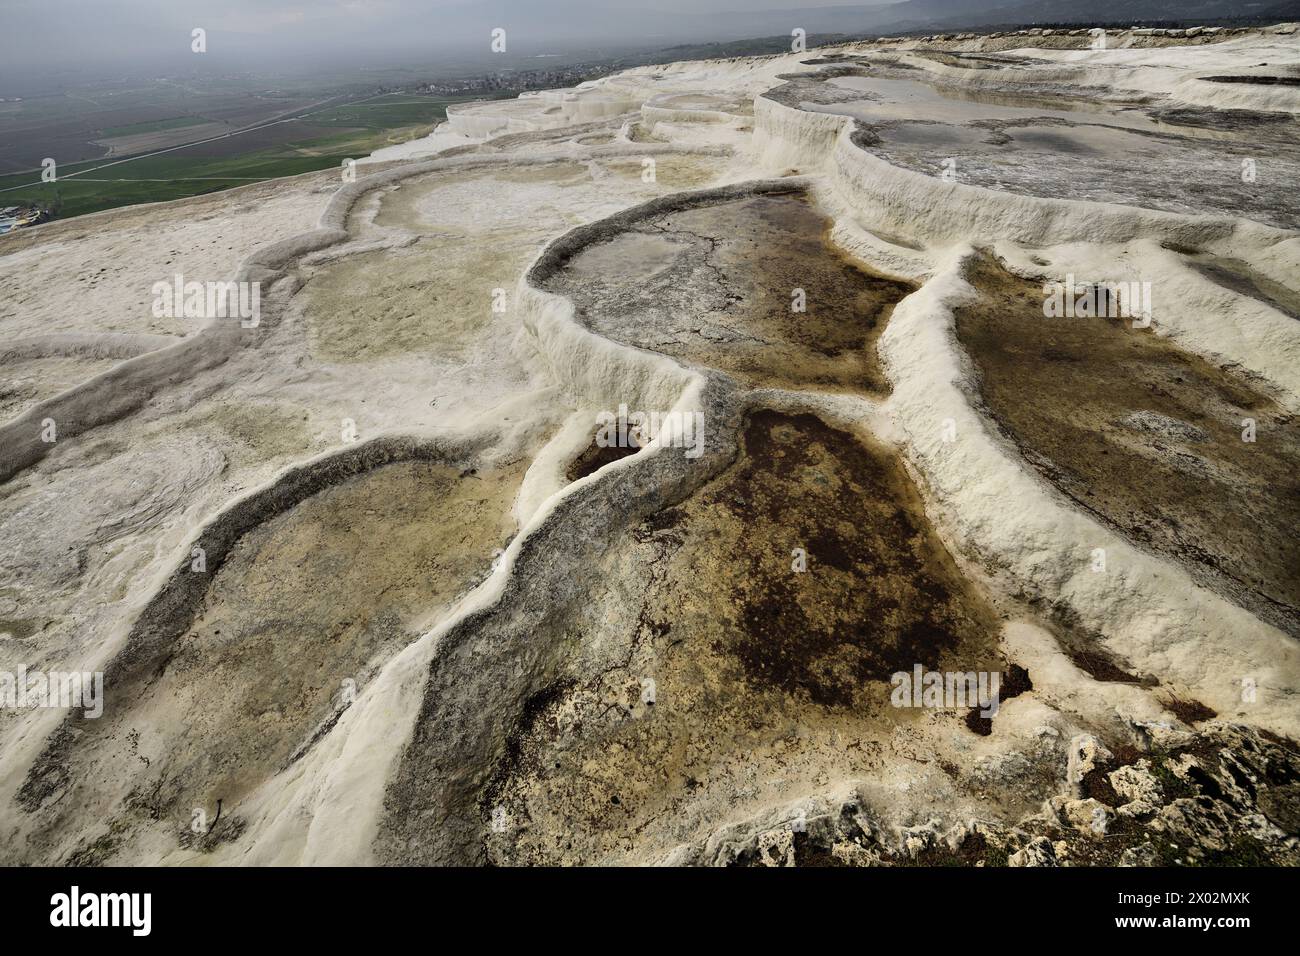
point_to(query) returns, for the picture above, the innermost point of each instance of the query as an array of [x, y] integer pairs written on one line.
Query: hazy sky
[[156, 33], [148, 31]]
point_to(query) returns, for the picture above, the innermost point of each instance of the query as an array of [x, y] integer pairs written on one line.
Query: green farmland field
[[157, 126], [97, 185]]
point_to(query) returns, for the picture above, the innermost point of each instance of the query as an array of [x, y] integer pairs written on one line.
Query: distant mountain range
[[959, 13], [912, 15]]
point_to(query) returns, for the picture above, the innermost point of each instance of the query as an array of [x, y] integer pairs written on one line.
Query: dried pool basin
[[750, 287], [739, 679], [1147, 437], [299, 616]]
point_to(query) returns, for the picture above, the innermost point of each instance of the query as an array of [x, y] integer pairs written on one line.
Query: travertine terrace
[[366, 585]]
